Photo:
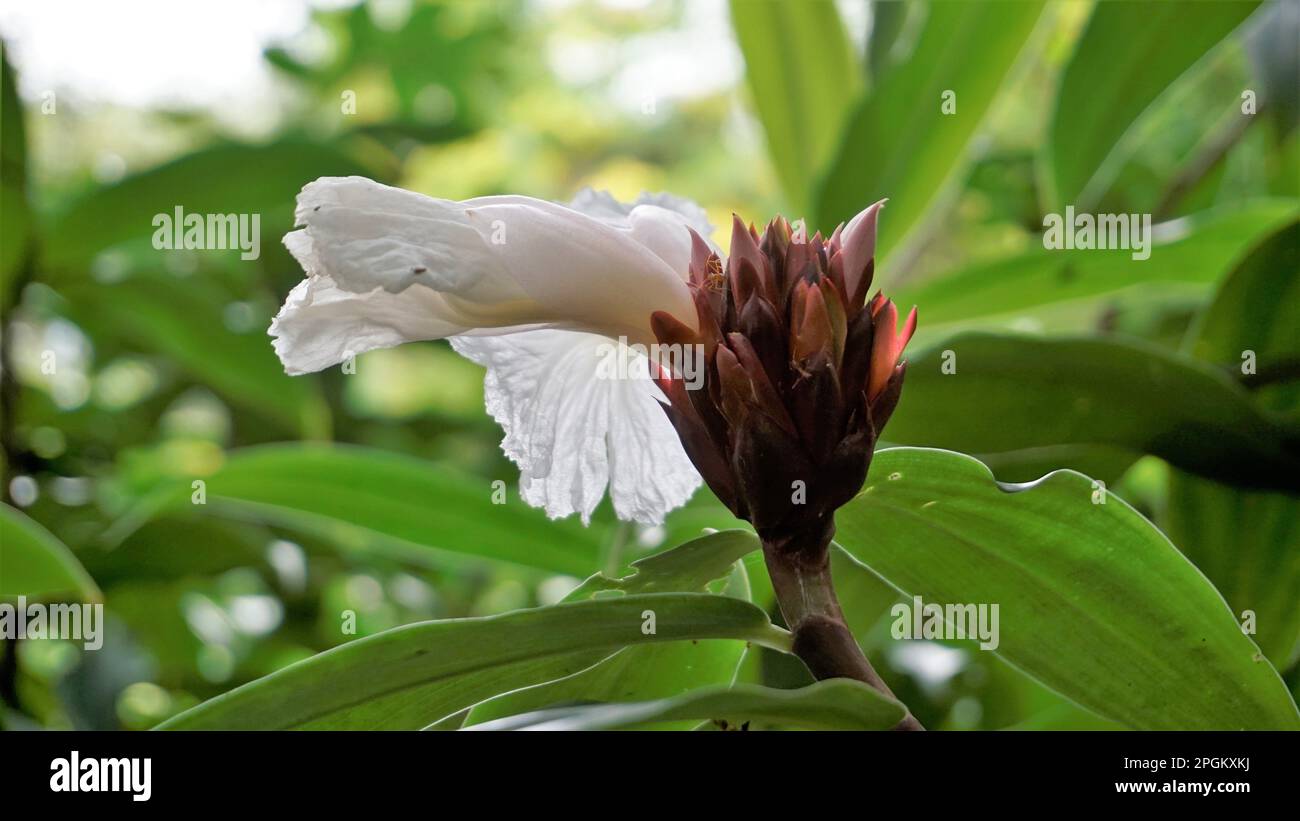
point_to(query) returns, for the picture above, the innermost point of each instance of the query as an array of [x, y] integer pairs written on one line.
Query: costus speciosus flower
[[799, 368]]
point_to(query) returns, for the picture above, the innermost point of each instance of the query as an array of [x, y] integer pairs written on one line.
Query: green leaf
[[150, 554], [224, 179], [898, 143], [35, 564], [1128, 54], [182, 320], [631, 674], [1023, 400], [687, 567], [1257, 309], [647, 671], [864, 598], [701, 513], [1068, 717], [1063, 290], [1094, 601], [887, 21], [1245, 541], [803, 76], [837, 704], [377, 500], [412, 676]]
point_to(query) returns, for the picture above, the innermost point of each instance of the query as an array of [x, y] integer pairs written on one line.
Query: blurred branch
[[9, 673], [1210, 156], [1279, 371], [15, 456], [13, 179]]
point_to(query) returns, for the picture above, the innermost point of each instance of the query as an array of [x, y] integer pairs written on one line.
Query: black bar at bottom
[[489, 771]]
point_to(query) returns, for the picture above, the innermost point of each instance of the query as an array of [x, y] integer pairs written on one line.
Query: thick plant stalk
[[799, 565], [801, 373]]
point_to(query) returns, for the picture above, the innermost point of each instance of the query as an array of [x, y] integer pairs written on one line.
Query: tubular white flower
[[498, 263], [529, 289]]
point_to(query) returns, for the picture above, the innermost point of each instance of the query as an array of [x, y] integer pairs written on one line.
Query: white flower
[[534, 291]]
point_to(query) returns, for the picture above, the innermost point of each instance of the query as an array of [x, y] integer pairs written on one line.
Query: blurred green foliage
[[1127, 370]]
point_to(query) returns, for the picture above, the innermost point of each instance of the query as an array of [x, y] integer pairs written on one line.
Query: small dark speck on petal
[[418, 270]]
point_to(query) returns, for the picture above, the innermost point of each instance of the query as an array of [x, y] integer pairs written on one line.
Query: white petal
[[654, 220], [365, 235], [664, 233], [488, 263], [582, 273], [321, 325], [573, 426], [603, 206]]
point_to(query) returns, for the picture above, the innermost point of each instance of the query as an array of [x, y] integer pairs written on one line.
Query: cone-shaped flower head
[[800, 370]]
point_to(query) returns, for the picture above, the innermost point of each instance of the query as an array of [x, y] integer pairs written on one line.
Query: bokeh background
[[163, 371]]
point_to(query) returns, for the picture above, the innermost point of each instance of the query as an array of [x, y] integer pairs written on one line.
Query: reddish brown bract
[[800, 375]]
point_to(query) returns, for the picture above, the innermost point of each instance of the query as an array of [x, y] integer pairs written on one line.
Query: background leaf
[[183, 320], [804, 77], [1129, 53], [1018, 401], [412, 676], [230, 178], [35, 564], [887, 21], [371, 497], [1094, 601], [1246, 541], [1073, 290], [898, 143]]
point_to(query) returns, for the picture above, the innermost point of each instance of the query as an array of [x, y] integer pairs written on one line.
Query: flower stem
[[800, 568], [612, 550]]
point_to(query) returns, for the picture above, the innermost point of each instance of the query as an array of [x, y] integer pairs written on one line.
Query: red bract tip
[[887, 346]]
